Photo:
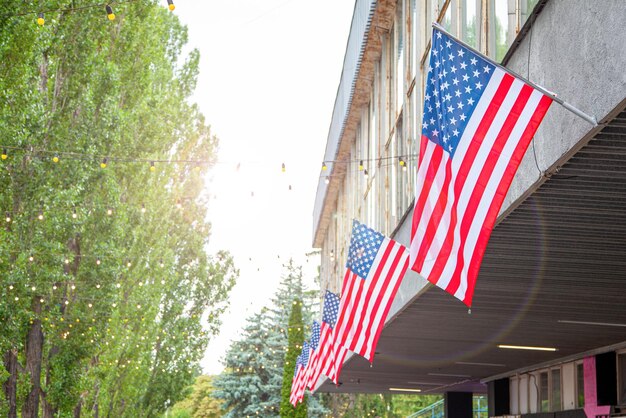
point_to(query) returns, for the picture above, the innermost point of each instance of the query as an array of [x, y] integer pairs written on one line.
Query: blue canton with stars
[[364, 246], [315, 335], [331, 308], [305, 354], [298, 363], [456, 79]]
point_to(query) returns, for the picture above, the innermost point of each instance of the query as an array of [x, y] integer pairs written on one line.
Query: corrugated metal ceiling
[[557, 260]]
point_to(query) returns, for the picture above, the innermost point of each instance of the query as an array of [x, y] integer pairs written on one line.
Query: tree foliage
[[200, 403], [107, 295], [295, 337], [263, 345]]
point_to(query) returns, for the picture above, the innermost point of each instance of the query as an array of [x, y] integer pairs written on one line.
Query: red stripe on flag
[[425, 187], [420, 203], [347, 310], [503, 189], [378, 326], [483, 180], [363, 303], [436, 214], [464, 169]]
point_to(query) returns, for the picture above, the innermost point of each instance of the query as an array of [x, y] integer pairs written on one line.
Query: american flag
[[375, 268], [330, 355], [478, 121], [315, 341], [293, 399], [301, 382], [297, 386]]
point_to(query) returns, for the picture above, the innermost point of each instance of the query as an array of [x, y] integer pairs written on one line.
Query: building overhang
[[553, 276]]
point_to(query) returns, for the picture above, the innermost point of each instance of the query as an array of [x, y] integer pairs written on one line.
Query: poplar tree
[[294, 348], [107, 295]]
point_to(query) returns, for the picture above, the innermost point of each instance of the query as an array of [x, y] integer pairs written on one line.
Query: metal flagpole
[[591, 119]]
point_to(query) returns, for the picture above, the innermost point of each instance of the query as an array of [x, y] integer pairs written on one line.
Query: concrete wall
[[577, 50]]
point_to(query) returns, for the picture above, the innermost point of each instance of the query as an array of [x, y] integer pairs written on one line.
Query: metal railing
[[437, 409]]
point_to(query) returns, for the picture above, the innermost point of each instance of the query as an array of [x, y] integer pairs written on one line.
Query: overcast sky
[[269, 73]]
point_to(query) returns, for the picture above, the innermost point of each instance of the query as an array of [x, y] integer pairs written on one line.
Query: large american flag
[[374, 271], [330, 355], [478, 121]]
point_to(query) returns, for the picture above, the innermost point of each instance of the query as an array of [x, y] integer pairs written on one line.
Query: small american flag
[[330, 355], [375, 268], [315, 341], [477, 124], [293, 396], [300, 378]]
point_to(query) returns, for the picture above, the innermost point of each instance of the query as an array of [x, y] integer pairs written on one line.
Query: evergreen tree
[[247, 386], [276, 323], [294, 347]]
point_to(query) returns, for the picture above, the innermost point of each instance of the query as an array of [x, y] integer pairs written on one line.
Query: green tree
[[107, 296], [294, 347], [247, 386], [200, 403], [270, 350]]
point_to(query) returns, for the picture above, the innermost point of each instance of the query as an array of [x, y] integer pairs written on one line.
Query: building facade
[[562, 219]]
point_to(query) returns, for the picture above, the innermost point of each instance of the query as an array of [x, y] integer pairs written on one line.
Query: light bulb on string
[[98, 261], [161, 264], [402, 163], [74, 214], [55, 159], [283, 169], [324, 167], [7, 217], [109, 211], [110, 13], [143, 208], [40, 216], [128, 263], [66, 261], [152, 166], [361, 166], [40, 19], [105, 160], [326, 180], [170, 5]]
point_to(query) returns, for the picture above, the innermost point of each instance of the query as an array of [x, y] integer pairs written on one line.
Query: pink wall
[[591, 399]]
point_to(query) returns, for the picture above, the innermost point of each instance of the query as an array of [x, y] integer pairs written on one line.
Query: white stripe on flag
[[503, 162]]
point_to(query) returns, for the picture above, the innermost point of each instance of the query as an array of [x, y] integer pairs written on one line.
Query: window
[[550, 398], [580, 385], [469, 22], [544, 392], [556, 403], [621, 373], [399, 61]]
